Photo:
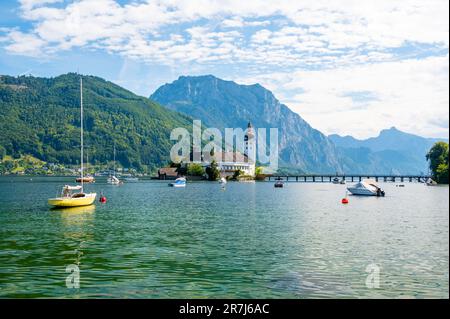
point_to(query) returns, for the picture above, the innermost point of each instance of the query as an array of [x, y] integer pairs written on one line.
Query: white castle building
[[231, 162]]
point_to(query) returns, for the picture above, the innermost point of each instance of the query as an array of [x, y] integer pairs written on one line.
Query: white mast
[[114, 169], [81, 115]]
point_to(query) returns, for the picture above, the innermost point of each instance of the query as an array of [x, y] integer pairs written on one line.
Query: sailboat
[[69, 198], [87, 178], [112, 179]]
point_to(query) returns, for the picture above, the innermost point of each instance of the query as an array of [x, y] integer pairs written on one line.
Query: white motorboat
[[223, 180], [431, 182], [366, 188], [179, 182]]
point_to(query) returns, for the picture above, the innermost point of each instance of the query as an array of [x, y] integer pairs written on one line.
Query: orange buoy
[[344, 201]]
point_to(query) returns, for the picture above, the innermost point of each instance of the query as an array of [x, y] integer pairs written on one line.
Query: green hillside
[[40, 117]]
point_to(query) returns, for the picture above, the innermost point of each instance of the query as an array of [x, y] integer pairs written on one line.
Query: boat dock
[[348, 178]]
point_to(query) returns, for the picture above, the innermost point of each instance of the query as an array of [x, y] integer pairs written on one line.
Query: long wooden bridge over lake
[[347, 177]]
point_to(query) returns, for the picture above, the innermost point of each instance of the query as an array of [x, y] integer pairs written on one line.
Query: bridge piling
[[329, 178]]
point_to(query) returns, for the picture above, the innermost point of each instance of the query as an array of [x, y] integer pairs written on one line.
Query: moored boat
[[86, 179], [113, 180], [179, 182], [67, 197], [278, 184], [366, 188], [72, 199]]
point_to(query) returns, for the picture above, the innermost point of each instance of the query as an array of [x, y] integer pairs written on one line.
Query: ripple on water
[[152, 241]]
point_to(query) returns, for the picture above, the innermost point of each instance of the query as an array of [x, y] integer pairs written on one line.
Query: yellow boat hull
[[73, 201]]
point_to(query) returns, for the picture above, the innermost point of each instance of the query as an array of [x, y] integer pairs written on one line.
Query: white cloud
[[326, 26], [412, 95], [31, 4], [233, 23], [321, 50], [238, 22], [24, 44]]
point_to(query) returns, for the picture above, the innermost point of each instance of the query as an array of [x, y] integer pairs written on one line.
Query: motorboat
[[366, 188], [279, 184], [223, 180], [68, 198], [179, 182], [431, 182], [338, 181]]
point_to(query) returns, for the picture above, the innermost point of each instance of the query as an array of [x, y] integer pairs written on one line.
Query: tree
[[438, 158], [442, 173], [259, 170], [212, 171], [195, 169]]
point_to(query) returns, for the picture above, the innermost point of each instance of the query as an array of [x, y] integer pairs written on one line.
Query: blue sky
[[347, 67]]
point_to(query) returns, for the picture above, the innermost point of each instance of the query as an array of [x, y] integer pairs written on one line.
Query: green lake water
[[247, 241]]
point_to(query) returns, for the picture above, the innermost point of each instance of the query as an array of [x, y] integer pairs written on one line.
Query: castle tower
[[250, 144]]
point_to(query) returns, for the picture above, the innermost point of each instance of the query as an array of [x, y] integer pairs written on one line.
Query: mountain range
[[220, 104], [40, 117], [392, 149]]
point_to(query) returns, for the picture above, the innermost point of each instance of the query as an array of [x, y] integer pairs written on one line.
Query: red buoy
[[102, 199], [344, 201]]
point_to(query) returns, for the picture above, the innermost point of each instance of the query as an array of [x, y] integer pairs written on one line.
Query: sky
[[347, 67]]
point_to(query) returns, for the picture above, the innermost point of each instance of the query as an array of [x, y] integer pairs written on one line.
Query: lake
[[250, 240]]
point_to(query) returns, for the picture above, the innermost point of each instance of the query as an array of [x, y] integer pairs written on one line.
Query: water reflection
[[77, 215], [77, 232]]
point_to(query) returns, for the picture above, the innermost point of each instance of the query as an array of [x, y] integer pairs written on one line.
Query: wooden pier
[[348, 178]]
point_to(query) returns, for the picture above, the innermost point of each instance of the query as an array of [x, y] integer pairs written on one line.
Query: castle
[[230, 162]]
